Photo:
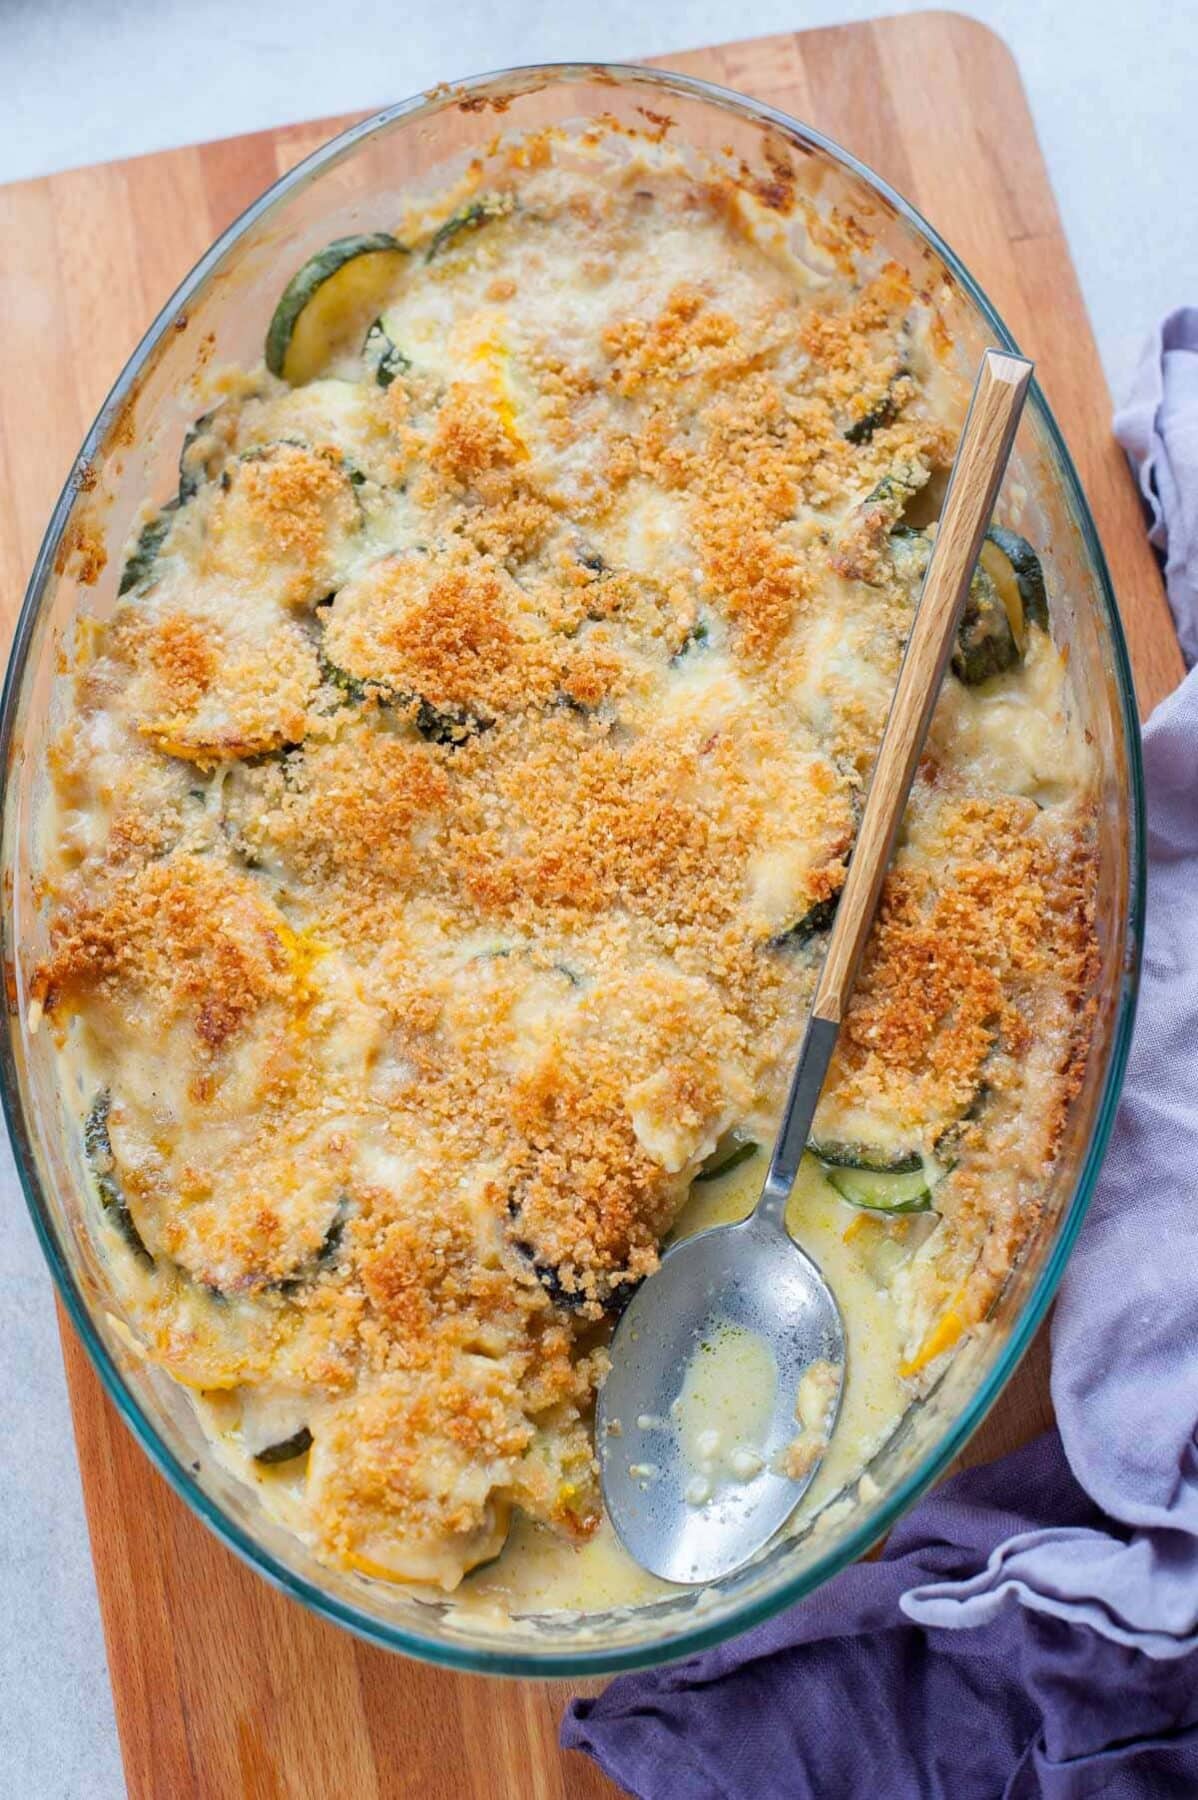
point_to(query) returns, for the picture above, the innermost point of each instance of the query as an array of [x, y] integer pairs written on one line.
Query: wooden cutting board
[[223, 1687]]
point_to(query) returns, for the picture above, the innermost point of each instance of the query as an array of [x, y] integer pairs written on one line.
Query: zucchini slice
[[448, 724], [97, 1147], [883, 413], [384, 357], [993, 629], [886, 1191], [816, 919], [323, 307], [894, 493], [201, 456], [947, 1143], [606, 1290], [723, 1162], [910, 551], [986, 643], [696, 638], [837, 1154], [333, 675], [469, 218], [324, 1258], [138, 575], [287, 1449], [612, 1295], [862, 429], [1018, 575]]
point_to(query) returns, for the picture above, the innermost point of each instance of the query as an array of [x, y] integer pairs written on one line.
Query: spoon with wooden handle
[[750, 1283]]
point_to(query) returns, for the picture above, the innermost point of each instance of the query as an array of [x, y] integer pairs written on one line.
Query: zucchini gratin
[[449, 815]]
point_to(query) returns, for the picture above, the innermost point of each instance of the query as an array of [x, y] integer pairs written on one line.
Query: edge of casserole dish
[[937, 1426]]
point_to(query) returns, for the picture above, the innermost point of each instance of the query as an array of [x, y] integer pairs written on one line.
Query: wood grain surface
[[223, 1687]]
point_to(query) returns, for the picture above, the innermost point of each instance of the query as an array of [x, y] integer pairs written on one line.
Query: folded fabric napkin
[[1159, 430], [845, 1697], [1032, 1628]]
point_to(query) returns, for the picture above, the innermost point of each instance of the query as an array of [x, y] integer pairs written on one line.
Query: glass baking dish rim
[[581, 1661]]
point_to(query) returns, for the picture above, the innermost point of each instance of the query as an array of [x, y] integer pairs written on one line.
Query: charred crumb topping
[[454, 805]]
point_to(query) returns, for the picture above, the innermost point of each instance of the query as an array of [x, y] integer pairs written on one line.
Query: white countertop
[[1114, 93]]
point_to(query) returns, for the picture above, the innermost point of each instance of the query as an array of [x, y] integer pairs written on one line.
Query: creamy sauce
[[722, 1413], [874, 1397]]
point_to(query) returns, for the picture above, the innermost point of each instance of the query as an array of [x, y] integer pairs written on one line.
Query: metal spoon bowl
[[750, 1277]]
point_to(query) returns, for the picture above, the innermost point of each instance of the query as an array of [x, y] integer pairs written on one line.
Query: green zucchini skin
[[333, 1236], [349, 686], [387, 358], [302, 1274], [882, 1192], [298, 1444], [261, 759], [1028, 571], [837, 1154], [613, 1299], [818, 918], [138, 575], [985, 643], [612, 1290], [448, 725], [697, 638], [947, 1143], [97, 1147], [194, 471], [306, 281], [264, 452], [724, 1165], [325, 1256], [894, 493], [885, 412], [862, 429], [478, 213], [890, 489]]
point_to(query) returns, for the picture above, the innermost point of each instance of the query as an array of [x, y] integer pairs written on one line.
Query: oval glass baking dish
[[218, 317]]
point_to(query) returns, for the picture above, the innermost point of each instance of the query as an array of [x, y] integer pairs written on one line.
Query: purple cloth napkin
[[1032, 1629], [845, 1698], [1159, 430]]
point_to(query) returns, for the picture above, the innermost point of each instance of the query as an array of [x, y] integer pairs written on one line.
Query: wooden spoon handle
[[981, 459]]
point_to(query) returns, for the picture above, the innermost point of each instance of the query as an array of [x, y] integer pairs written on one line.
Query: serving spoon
[[749, 1285]]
